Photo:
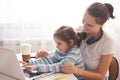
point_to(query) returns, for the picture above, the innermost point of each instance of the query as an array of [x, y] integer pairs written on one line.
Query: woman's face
[[89, 24], [62, 46]]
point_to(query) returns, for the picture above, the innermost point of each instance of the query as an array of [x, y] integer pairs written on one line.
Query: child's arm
[[46, 60], [55, 67]]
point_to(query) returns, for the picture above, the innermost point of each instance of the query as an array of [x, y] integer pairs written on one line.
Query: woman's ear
[[71, 43]]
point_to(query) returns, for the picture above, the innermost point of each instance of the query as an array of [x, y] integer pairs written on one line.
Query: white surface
[[58, 75]]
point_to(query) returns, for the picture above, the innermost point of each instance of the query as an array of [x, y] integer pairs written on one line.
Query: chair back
[[113, 69]]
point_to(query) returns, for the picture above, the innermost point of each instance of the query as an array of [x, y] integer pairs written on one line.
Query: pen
[[61, 77]]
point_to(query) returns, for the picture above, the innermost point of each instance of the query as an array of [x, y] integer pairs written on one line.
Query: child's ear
[[71, 43]]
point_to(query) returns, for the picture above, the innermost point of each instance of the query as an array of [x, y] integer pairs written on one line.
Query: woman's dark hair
[[66, 33], [101, 12]]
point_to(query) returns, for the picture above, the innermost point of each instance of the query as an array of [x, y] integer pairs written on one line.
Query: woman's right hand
[[41, 54], [69, 69]]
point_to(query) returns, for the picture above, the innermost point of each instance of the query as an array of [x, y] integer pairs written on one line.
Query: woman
[[96, 47]]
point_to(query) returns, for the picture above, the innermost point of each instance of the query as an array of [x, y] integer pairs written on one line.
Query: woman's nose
[[84, 26]]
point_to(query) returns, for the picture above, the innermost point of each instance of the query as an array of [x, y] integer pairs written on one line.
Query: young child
[[66, 52]]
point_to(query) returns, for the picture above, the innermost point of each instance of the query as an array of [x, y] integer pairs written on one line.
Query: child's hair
[[67, 33]]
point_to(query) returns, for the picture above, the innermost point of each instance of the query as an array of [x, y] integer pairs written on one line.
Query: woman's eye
[[89, 25]]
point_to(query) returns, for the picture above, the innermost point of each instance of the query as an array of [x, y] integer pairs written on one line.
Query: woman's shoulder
[[107, 37], [107, 40]]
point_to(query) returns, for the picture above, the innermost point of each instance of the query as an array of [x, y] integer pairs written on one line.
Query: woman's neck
[[96, 35]]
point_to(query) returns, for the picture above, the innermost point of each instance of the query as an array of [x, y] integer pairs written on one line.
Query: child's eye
[[59, 43]]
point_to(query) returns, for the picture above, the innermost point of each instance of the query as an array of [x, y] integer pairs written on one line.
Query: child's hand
[[33, 67], [24, 63], [41, 54]]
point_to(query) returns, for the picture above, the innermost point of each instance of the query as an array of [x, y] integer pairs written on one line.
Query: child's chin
[[61, 52]]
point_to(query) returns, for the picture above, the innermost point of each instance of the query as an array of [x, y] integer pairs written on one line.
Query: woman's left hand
[[69, 68]]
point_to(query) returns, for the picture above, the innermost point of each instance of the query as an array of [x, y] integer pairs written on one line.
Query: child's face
[[61, 45]]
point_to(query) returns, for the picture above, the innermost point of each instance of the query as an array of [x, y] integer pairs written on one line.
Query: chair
[[113, 69]]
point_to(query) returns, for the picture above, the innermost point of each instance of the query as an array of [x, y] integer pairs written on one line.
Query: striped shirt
[[52, 63]]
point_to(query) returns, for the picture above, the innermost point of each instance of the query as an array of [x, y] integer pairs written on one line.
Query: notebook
[[10, 68]]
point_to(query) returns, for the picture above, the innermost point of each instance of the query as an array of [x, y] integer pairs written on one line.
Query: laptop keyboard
[[30, 74], [34, 74]]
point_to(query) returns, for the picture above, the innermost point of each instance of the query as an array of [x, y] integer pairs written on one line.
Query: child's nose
[[56, 46]]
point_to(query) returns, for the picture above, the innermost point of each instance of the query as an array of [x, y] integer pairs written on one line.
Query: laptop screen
[[9, 65]]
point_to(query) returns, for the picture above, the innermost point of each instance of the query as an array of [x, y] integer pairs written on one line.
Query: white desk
[[52, 76], [58, 75]]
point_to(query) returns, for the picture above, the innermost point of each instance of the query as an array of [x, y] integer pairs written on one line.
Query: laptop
[[10, 68]]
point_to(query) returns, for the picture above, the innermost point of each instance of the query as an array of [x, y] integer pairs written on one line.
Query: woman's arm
[[98, 75]]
